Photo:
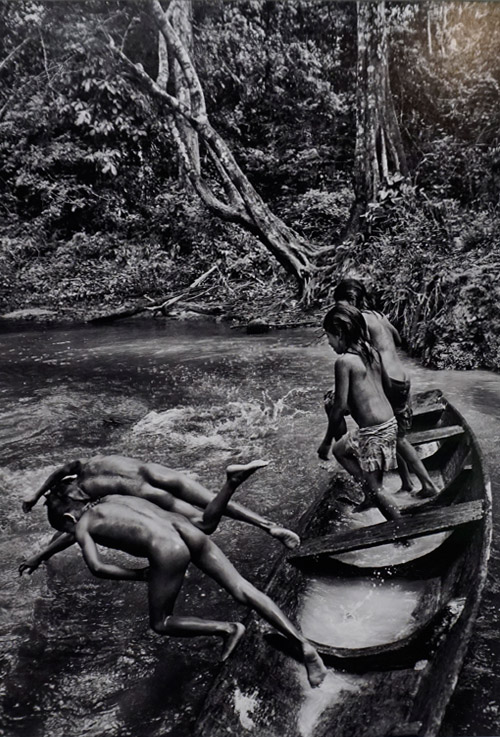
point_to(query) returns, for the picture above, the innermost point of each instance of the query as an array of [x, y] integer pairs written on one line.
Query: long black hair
[[352, 291], [347, 321]]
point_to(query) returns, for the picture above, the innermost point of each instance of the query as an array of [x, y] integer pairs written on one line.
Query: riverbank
[[448, 314], [431, 264], [272, 306]]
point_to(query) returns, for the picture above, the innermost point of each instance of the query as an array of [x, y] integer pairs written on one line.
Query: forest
[[238, 157]]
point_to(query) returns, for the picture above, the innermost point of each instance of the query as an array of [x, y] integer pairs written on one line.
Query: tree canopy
[[94, 210]]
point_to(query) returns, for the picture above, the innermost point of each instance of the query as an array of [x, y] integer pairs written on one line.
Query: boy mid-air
[[172, 490], [170, 542]]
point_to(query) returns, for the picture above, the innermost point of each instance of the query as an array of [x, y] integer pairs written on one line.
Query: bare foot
[[428, 492], [405, 487], [236, 474], [287, 537], [316, 669], [365, 504], [232, 639]]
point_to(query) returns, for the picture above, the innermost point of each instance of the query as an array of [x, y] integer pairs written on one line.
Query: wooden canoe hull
[[393, 688]]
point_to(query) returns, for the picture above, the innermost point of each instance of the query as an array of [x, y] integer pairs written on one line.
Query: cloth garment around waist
[[374, 447], [400, 398]]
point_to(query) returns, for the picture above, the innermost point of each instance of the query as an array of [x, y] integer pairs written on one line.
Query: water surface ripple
[[77, 658]]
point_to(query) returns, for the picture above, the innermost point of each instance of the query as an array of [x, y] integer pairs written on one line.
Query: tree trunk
[[180, 14], [240, 203], [379, 157]]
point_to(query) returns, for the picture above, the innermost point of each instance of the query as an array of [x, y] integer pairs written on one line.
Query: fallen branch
[[118, 315], [148, 307], [261, 326], [202, 309], [163, 306]]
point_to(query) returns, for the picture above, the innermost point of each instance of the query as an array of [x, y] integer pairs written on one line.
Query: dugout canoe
[[391, 620]]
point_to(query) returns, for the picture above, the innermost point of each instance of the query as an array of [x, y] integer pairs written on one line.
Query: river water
[[77, 658]]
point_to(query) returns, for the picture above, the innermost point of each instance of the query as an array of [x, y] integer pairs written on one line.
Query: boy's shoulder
[[375, 317]]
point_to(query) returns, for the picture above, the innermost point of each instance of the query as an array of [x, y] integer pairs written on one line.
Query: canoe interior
[[392, 625]]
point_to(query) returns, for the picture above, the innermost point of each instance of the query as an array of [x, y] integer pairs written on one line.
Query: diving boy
[[170, 542], [169, 489]]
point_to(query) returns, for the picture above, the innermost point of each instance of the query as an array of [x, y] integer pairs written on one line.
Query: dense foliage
[[93, 211]]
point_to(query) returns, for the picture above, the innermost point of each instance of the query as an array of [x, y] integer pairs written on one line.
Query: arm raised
[[69, 469]]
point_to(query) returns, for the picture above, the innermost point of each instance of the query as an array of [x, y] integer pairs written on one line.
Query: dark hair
[[347, 321], [63, 497], [56, 509], [352, 291]]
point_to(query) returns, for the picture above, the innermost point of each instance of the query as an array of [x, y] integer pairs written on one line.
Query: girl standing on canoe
[[386, 339], [359, 391]]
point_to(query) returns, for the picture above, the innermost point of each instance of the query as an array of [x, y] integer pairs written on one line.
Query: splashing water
[[327, 694], [244, 705], [234, 425], [360, 612], [60, 626]]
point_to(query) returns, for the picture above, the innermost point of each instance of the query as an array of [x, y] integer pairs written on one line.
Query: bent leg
[[189, 490], [235, 475], [212, 561], [232, 632], [344, 455], [166, 575], [373, 480]]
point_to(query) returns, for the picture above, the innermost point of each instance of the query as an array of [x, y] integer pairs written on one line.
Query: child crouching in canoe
[[370, 450]]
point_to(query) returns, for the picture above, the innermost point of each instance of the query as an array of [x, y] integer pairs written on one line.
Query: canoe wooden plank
[[428, 409], [446, 496], [437, 433], [417, 525]]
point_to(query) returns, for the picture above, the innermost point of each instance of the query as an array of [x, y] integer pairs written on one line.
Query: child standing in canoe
[[370, 450], [386, 339]]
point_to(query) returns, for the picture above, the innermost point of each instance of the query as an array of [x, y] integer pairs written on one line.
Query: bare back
[[139, 527], [385, 338], [114, 474], [366, 399]]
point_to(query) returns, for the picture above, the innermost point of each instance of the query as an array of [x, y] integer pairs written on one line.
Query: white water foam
[[359, 612], [223, 426], [244, 705], [326, 695]]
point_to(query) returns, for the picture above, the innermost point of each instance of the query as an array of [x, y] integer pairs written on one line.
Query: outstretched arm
[[97, 566], [60, 541], [73, 467], [336, 415]]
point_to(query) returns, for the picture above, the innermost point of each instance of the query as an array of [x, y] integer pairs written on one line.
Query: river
[[77, 658]]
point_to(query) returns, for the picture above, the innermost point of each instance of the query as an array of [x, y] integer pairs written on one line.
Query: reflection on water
[[76, 655], [359, 612]]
